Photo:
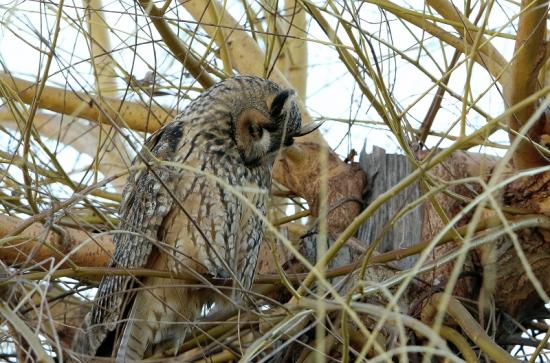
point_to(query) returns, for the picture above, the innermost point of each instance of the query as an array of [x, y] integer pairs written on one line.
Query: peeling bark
[[300, 171]]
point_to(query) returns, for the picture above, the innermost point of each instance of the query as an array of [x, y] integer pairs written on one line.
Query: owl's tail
[[154, 319], [138, 333]]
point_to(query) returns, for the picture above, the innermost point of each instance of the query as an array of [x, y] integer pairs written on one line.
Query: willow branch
[[80, 134], [180, 50], [471, 327], [484, 57], [488, 54], [459, 342], [21, 327]]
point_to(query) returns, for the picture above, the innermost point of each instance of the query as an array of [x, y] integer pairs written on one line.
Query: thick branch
[[297, 47], [245, 52], [528, 196], [37, 244], [345, 183], [135, 115], [180, 50], [108, 143], [529, 56]]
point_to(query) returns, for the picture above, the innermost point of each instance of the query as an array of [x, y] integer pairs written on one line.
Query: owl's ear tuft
[[281, 102]]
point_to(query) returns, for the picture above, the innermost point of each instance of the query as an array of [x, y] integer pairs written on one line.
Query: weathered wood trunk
[[387, 228]]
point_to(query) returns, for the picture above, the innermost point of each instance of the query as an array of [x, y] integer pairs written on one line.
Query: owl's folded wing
[[146, 202]]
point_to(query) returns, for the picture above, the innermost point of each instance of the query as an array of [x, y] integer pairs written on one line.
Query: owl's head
[[268, 122]]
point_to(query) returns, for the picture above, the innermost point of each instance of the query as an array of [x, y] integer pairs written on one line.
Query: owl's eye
[[255, 131]]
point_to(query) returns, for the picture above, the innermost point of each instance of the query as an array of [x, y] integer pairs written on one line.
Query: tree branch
[[487, 53], [134, 115], [484, 57], [108, 143], [529, 56], [37, 244], [471, 327], [180, 50]]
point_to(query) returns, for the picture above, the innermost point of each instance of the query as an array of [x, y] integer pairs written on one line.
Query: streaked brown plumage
[[184, 211]]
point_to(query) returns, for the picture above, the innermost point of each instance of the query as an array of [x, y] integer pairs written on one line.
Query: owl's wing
[[146, 201]]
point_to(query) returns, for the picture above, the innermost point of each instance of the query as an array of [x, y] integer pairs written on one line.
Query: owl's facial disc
[[260, 134], [253, 136]]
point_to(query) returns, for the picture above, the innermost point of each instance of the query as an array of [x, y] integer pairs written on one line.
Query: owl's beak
[[309, 128]]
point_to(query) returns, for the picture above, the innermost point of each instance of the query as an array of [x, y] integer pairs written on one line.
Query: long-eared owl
[[193, 203]]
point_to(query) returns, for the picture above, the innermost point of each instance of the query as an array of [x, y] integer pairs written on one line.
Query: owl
[[194, 203]]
